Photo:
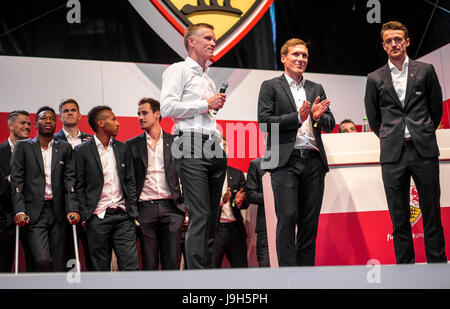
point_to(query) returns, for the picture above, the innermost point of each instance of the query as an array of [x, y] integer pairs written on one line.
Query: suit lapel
[[411, 78], [55, 154], [96, 154], [386, 76], [118, 156], [143, 150], [287, 89], [38, 153]]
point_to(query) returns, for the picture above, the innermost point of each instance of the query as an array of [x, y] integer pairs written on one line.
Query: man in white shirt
[[403, 103], [19, 128], [43, 194], [299, 177], [188, 96], [107, 193], [160, 203]]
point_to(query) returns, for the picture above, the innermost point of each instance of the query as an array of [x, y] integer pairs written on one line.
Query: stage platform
[[418, 276]]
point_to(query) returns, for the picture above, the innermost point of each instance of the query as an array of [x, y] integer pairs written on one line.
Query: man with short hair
[[403, 103], [188, 96], [43, 194], [19, 129], [298, 179], [107, 193], [160, 203], [347, 126], [69, 114]]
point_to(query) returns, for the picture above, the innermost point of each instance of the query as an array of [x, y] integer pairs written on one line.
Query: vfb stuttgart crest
[[232, 19], [414, 208]]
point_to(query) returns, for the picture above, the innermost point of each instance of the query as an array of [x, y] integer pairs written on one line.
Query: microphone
[[222, 89]]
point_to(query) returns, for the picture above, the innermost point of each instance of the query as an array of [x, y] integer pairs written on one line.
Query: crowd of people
[[153, 186]]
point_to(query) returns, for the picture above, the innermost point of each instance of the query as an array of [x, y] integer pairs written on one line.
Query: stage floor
[[418, 276]]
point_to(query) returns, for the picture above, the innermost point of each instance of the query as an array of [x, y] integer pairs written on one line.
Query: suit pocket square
[[123, 165], [418, 92], [61, 162]]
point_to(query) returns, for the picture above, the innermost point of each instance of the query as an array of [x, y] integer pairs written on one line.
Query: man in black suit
[[69, 114], [255, 195], [43, 195], [160, 204], [107, 193], [404, 107], [19, 128], [230, 239], [298, 161]]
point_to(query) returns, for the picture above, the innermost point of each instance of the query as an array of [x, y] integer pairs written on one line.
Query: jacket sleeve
[[80, 183], [372, 104], [70, 181], [434, 97], [253, 185], [17, 177]]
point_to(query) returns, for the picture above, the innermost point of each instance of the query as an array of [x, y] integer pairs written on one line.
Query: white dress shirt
[[111, 195], [305, 137], [73, 141], [11, 145], [185, 89], [399, 80], [47, 158], [155, 184], [226, 214]]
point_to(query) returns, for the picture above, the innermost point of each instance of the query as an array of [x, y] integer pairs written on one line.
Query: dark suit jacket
[[422, 112], [90, 179], [5, 188], [276, 105], [254, 192], [28, 179], [139, 154], [61, 136], [236, 181]]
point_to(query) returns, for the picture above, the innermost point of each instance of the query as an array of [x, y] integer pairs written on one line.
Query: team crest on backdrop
[[415, 213], [232, 19]]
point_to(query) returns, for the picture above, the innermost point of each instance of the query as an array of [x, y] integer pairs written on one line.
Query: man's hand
[[226, 196], [217, 101], [73, 218], [239, 198], [304, 110], [21, 219], [319, 108]]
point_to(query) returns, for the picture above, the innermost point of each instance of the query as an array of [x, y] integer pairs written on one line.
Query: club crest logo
[[415, 212], [232, 19]]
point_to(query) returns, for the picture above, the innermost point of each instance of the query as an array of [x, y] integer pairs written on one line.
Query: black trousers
[[202, 180], [262, 249], [160, 234], [230, 242], [396, 179], [46, 240], [115, 231], [298, 191], [7, 243]]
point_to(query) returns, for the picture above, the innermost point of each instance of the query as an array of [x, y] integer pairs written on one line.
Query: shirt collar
[[10, 143], [149, 138], [292, 82], [404, 65], [99, 143], [68, 134], [195, 66]]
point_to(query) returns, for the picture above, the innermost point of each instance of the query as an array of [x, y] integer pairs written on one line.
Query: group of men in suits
[[115, 188]]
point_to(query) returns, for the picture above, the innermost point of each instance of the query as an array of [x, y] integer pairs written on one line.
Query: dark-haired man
[[43, 194], [69, 114], [404, 107], [107, 193], [160, 204], [19, 128]]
